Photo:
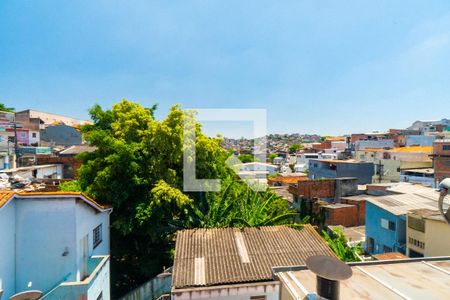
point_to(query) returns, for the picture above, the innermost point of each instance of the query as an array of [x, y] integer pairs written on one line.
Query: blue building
[[55, 243], [330, 168], [386, 212]]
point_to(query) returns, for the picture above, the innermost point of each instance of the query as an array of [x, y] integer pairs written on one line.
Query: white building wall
[[101, 284], [45, 229], [35, 139], [7, 249], [87, 219]]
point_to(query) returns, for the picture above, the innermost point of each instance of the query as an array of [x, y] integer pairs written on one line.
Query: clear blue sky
[[327, 67]]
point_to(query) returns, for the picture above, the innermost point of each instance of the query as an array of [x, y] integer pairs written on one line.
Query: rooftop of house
[[413, 149], [6, 196], [288, 179], [283, 191], [399, 198], [30, 168], [77, 149], [422, 171], [337, 161], [209, 257], [423, 213], [389, 256], [424, 278]]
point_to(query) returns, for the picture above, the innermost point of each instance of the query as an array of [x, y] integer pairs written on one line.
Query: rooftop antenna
[[445, 187], [329, 271]]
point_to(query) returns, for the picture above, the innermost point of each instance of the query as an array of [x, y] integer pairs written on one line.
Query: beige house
[[427, 234], [389, 163]]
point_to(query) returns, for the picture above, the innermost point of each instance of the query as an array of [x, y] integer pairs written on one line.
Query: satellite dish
[[445, 187], [27, 295]]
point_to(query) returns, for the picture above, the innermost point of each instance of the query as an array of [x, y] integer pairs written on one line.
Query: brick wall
[[360, 210], [346, 216], [441, 159], [314, 189]]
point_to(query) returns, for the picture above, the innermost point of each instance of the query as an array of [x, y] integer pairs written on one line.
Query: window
[[416, 224], [97, 235], [34, 135], [417, 243], [445, 147], [386, 224]]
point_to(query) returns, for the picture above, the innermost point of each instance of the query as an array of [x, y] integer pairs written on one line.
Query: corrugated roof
[[424, 278], [5, 196], [207, 257], [77, 149]]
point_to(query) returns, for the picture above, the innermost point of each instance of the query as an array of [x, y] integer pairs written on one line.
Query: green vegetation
[[7, 109], [246, 158], [137, 168], [70, 186], [295, 147], [338, 243], [238, 205], [271, 156]]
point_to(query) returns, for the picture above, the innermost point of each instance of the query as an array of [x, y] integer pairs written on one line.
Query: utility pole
[[16, 145]]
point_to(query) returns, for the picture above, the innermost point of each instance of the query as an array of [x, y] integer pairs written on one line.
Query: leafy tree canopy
[[295, 147], [3, 107]]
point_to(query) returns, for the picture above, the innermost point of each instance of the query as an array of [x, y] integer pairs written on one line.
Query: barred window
[[97, 235]]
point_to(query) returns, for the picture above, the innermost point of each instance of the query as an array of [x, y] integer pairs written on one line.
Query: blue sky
[[327, 67]]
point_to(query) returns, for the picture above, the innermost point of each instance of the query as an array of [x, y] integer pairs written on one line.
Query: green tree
[[271, 157], [3, 107], [295, 147], [137, 168], [246, 158], [70, 186]]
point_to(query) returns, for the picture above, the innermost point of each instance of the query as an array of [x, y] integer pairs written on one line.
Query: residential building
[[381, 144], [386, 208], [441, 160], [233, 263], [32, 117], [341, 168], [60, 135], [68, 159], [430, 126], [389, 163], [53, 171], [422, 176], [420, 140], [259, 167], [425, 278], [302, 163], [57, 243], [427, 234]]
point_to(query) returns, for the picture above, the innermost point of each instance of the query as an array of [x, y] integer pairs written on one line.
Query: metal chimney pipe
[[329, 271]]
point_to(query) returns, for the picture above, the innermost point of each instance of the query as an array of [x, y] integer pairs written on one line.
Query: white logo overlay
[[258, 118]]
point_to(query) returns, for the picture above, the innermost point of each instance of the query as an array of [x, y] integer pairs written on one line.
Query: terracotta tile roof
[[288, 179], [5, 196], [426, 149], [207, 257], [390, 256]]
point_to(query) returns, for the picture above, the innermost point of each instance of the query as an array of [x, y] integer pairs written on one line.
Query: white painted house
[[57, 243]]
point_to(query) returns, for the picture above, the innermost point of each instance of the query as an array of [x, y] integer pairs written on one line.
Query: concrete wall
[[101, 284], [7, 249], [345, 215], [362, 171], [437, 238]]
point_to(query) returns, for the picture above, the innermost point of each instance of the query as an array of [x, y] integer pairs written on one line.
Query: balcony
[[96, 281]]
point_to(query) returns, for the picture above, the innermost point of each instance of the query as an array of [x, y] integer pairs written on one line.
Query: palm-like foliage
[[338, 243], [239, 206]]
